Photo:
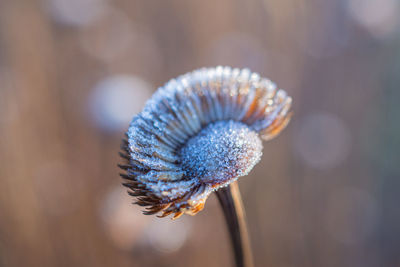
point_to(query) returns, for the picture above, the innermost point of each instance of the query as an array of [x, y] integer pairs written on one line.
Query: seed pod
[[197, 133]]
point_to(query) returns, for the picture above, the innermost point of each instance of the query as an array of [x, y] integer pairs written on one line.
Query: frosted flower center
[[221, 152]]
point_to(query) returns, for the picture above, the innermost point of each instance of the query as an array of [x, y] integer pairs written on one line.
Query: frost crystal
[[198, 132]]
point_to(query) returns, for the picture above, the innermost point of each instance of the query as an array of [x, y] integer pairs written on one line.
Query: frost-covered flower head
[[197, 133]]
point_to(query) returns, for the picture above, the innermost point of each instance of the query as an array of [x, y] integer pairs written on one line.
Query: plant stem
[[232, 206]]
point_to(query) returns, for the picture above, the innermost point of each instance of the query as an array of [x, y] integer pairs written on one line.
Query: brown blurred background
[[74, 72]]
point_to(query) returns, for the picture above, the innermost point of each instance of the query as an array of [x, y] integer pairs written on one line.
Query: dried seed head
[[221, 152], [198, 133]]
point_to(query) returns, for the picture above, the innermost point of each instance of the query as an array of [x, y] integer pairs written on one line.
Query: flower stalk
[[231, 203]]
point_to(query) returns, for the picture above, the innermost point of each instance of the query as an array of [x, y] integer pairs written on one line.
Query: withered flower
[[199, 133]]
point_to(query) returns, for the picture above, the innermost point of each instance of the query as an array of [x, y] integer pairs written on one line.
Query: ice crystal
[[198, 132]]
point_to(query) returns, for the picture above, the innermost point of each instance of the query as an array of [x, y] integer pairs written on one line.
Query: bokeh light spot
[[116, 99], [322, 140]]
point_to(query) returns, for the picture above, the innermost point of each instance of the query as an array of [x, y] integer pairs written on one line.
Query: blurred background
[[74, 72]]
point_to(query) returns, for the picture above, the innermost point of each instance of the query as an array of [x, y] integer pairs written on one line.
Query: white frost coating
[[221, 152], [199, 132]]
